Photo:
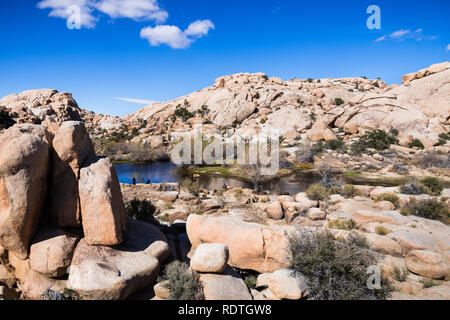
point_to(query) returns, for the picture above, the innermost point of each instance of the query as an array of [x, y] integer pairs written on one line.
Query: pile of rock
[[62, 217]]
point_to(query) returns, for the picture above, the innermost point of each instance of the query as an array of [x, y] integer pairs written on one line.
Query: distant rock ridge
[[299, 109]]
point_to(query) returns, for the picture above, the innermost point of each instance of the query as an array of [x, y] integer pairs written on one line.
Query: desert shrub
[[336, 269], [66, 294], [434, 160], [434, 185], [250, 282], [328, 180], [183, 282], [335, 190], [238, 193], [342, 224], [416, 143], [399, 274], [305, 154], [427, 283], [183, 113], [382, 231], [318, 147], [141, 210], [358, 147], [394, 132], [445, 135], [399, 168], [193, 186], [204, 110], [413, 187], [376, 139], [317, 192], [391, 197], [338, 101], [350, 191], [429, 208], [335, 145]]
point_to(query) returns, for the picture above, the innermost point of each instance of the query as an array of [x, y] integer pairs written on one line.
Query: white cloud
[[448, 47], [399, 33], [170, 35], [199, 28], [139, 101], [133, 9], [138, 10], [407, 34], [174, 37]]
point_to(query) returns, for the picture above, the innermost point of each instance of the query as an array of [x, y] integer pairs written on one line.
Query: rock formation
[[61, 211]]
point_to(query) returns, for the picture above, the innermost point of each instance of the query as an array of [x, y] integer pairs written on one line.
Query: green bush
[[334, 190], [376, 139], [445, 136], [250, 282], [335, 145], [193, 186], [183, 113], [350, 191], [342, 224], [429, 208], [183, 282], [416, 143], [338, 101], [336, 269], [393, 198], [434, 186], [317, 192], [141, 210]]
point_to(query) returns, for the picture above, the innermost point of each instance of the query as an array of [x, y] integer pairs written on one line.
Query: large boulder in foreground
[[112, 273], [24, 163], [71, 148], [251, 246], [51, 251], [288, 284], [210, 257], [102, 207]]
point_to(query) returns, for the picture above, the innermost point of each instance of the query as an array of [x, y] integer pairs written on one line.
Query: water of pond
[[158, 172]]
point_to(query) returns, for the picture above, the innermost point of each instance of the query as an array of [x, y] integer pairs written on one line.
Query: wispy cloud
[[404, 34], [399, 34], [276, 10], [448, 47], [174, 37], [138, 101], [138, 10]]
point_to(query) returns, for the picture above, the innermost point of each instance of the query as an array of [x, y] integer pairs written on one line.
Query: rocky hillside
[[301, 110]]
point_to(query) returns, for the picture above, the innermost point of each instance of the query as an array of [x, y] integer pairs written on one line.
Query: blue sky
[[112, 57]]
